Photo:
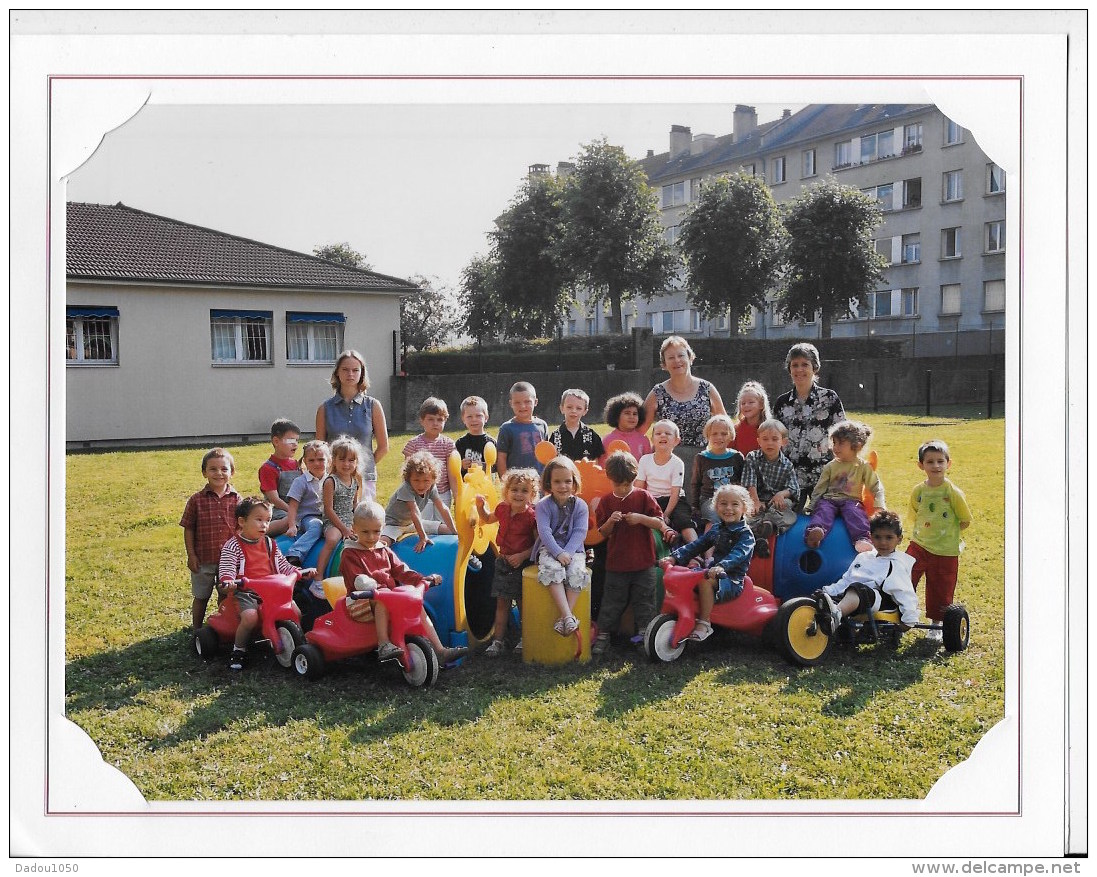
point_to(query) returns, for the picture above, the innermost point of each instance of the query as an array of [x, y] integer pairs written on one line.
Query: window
[[779, 169], [884, 195], [950, 298], [912, 138], [953, 185], [994, 295], [240, 336], [668, 321], [807, 163], [880, 303], [996, 236], [91, 335], [747, 169], [749, 320], [854, 311], [843, 154], [592, 325], [670, 234], [883, 248], [674, 194], [950, 243], [953, 133], [908, 301], [694, 188], [912, 248], [877, 146], [571, 327], [722, 322], [778, 317], [912, 193], [313, 337], [996, 179], [628, 320]]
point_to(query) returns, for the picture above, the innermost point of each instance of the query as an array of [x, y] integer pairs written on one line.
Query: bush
[[735, 351], [571, 353]]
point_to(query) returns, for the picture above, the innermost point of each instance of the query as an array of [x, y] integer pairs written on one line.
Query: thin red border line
[[109, 813], [486, 77]]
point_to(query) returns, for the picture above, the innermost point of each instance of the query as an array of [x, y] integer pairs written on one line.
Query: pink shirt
[[637, 442], [440, 449]]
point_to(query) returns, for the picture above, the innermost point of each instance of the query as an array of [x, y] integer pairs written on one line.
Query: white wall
[[165, 386]]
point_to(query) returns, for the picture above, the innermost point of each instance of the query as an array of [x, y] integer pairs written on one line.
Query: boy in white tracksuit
[[872, 573]]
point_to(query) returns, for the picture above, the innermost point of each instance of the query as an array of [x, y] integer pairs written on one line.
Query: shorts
[[551, 572], [204, 581], [396, 531], [680, 518], [278, 514], [507, 581], [246, 600], [868, 598]]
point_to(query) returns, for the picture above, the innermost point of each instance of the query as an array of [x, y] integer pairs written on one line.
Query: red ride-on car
[[279, 619], [337, 635]]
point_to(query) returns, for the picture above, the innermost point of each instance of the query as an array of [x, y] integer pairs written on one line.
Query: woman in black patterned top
[[686, 401], [808, 411]]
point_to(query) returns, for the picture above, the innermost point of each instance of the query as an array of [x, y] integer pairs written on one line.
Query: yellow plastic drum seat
[[541, 644]]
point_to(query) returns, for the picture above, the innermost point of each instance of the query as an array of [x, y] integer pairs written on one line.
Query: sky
[[414, 187]]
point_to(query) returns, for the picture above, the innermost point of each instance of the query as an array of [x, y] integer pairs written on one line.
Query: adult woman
[[808, 411], [351, 412], [687, 401]]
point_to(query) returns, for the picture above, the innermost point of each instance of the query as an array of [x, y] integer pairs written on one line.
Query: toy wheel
[[424, 663], [308, 661], [800, 637], [291, 637], [658, 637], [956, 628], [206, 642]]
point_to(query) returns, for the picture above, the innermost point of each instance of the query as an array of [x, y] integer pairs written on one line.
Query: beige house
[[178, 334]]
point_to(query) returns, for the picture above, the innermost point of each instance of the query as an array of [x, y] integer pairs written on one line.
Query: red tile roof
[[120, 243]]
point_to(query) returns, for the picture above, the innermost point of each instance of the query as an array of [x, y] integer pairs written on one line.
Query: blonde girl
[[339, 493], [718, 464], [562, 519], [752, 409], [517, 533], [416, 506]]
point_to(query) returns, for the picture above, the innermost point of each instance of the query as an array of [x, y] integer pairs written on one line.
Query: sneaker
[[495, 649], [934, 635], [475, 564], [600, 645], [701, 632], [448, 656], [813, 537], [571, 624], [389, 652], [518, 648], [830, 615], [238, 659]]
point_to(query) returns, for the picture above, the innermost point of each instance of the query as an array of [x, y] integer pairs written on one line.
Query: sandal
[[571, 624], [558, 626], [701, 631]]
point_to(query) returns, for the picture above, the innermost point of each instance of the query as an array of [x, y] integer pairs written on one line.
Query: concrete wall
[[166, 390]]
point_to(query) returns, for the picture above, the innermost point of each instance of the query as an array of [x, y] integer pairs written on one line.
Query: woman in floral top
[[686, 401], [808, 411]]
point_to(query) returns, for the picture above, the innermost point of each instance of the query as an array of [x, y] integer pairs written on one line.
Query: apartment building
[[943, 230]]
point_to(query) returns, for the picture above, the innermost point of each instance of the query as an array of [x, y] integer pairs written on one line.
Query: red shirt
[[746, 438], [380, 563], [269, 475], [213, 520], [630, 547], [516, 532]]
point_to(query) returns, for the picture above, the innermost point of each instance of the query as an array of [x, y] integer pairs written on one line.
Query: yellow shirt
[[938, 513]]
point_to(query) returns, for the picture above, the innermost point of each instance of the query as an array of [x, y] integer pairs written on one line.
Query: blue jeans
[[309, 530]]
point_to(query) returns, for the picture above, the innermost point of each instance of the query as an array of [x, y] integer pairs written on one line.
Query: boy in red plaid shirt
[[208, 522]]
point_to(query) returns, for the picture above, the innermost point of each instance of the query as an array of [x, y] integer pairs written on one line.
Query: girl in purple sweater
[[561, 530]]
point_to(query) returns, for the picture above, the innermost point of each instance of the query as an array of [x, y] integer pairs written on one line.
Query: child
[[625, 516], [732, 544], [339, 491], [208, 522], [940, 513], [251, 553], [752, 409], [624, 413], [562, 519], [839, 488], [517, 532], [519, 436], [433, 414], [474, 415], [367, 563], [881, 569], [573, 438], [305, 519], [416, 507], [770, 478], [717, 465], [662, 474], [278, 473]]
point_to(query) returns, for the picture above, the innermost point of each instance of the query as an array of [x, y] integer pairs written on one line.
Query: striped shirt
[[440, 449], [235, 556]]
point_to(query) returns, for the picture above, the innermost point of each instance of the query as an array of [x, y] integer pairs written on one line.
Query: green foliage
[[427, 317], [613, 239], [723, 351], [573, 352], [731, 241], [729, 720], [830, 256], [344, 254], [476, 298]]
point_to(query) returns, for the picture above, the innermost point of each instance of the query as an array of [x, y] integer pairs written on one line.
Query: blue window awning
[[301, 317], [228, 314], [99, 311]]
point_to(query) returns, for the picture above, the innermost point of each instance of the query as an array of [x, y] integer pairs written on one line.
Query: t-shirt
[[637, 442], [518, 441], [840, 481], [379, 563], [584, 442], [938, 513], [516, 532], [664, 479], [471, 447], [270, 473], [711, 471], [397, 513], [746, 438], [440, 448], [629, 547], [306, 490]]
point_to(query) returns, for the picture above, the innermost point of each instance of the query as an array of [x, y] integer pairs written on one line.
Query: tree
[[343, 254], [427, 317], [532, 285], [731, 241], [479, 310], [613, 239], [830, 257]]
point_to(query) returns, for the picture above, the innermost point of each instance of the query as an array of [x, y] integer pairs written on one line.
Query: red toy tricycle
[[337, 636], [279, 619]]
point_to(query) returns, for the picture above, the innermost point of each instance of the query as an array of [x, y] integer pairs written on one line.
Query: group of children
[[743, 492]]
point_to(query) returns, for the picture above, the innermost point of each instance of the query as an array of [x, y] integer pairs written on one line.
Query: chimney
[[651, 153], [702, 143], [564, 169], [744, 121], [786, 114], [680, 137]]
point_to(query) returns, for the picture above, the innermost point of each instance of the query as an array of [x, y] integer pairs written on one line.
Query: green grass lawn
[[729, 720]]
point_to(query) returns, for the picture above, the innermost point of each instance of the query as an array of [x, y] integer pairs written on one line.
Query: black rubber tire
[[292, 637], [801, 639], [424, 663], [956, 628], [657, 639], [308, 661], [206, 642]]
